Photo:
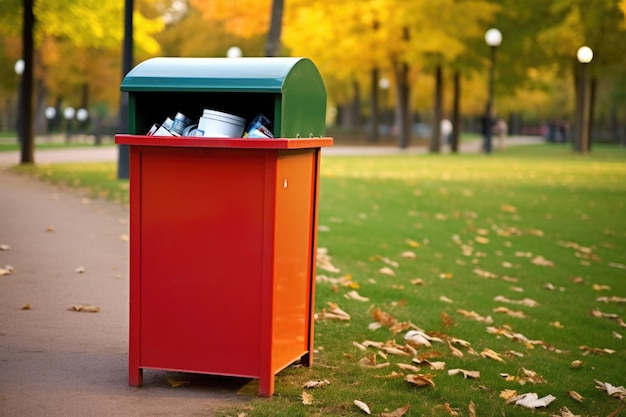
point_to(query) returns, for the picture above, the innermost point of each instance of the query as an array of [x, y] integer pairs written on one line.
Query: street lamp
[[50, 114], [584, 56], [234, 52], [384, 85], [19, 70], [68, 114], [493, 39]]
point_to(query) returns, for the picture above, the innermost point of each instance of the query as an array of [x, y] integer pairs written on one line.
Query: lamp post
[[50, 114], [584, 56], [68, 114], [493, 39], [384, 85], [19, 70]]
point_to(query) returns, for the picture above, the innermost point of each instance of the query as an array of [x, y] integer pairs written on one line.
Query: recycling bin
[[223, 231]]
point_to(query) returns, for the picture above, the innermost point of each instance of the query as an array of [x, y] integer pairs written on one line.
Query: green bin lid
[[269, 75]]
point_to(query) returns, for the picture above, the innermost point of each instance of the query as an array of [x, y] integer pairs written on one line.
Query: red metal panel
[[201, 257]]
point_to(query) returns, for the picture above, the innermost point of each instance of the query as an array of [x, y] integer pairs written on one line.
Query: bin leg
[[266, 386], [307, 360], [135, 376]]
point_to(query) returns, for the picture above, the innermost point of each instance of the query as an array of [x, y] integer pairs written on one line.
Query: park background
[[392, 68]]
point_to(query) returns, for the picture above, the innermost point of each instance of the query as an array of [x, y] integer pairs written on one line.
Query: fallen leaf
[[398, 412], [353, 295], [177, 384], [472, 409], [556, 324], [50, 229], [576, 364], [445, 299], [420, 380], [85, 308], [26, 307], [613, 391], [5, 247], [408, 367], [124, 238], [408, 255], [576, 396], [384, 318], [418, 281], [307, 398], [488, 353], [369, 361], [484, 274], [507, 394], [616, 335], [597, 351], [316, 383], [466, 374], [565, 413], [541, 261], [394, 351], [475, 316], [6, 270], [80, 270], [364, 407], [387, 271], [525, 302], [508, 311], [531, 400], [598, 287]]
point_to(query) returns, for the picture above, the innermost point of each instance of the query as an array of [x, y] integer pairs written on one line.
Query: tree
[[94, 26]]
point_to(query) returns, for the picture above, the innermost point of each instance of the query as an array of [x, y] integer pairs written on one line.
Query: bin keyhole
[[285, 183]]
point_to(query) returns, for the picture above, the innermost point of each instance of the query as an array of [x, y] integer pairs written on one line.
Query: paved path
[[56, 362], [110, 153]]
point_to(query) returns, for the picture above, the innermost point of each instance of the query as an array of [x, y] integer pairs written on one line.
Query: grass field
[[513, 264]]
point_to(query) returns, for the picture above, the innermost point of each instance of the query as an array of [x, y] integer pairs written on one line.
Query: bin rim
[[249, 74]]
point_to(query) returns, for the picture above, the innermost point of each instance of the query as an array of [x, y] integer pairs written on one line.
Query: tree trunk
[[272, 46], [592, 102], [375, 116], [27, 134], [435, 141], [456, 113], [123, 155], [402, 109]]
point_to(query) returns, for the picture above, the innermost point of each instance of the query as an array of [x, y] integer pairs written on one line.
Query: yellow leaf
[[26, 307], [598, 287], [408, 255], [418, 281], [177, 384], [412, 243], [307, 398], [507, 394]]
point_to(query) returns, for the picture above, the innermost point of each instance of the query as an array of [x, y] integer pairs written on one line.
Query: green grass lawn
[[429, 239]]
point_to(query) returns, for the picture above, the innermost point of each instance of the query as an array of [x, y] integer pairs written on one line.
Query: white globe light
[[50, 112], [384, 83], [584, 54], [82, 115], [19, 67], [234, 52], [69, 113], [493, 37]]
